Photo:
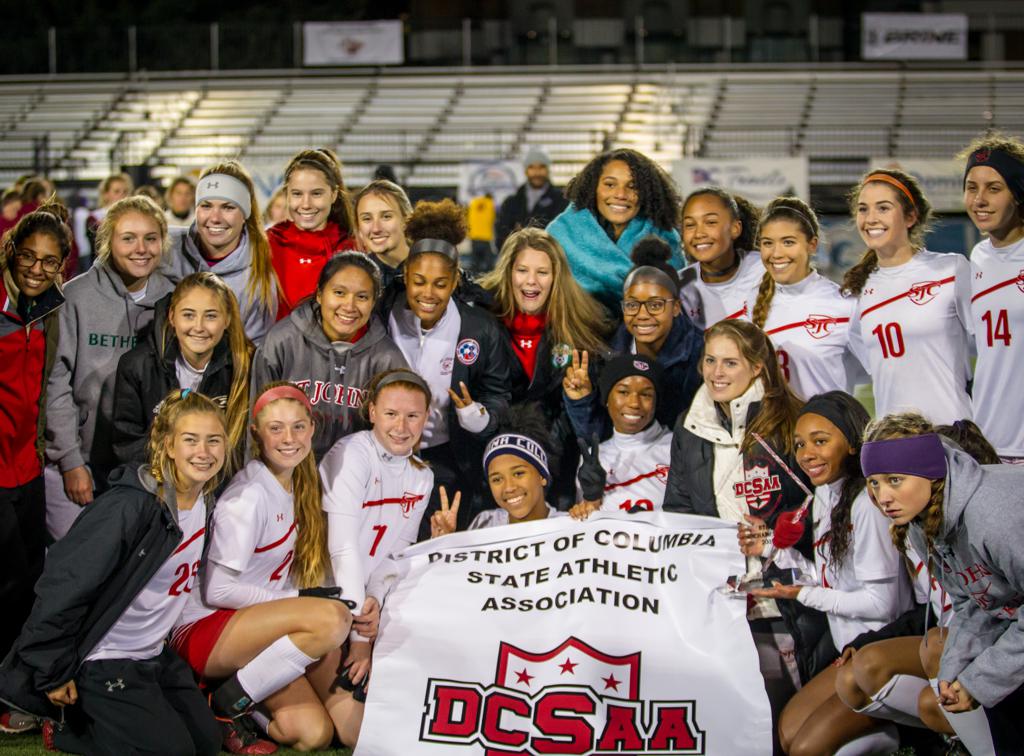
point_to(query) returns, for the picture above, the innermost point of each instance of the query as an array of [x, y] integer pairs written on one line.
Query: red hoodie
[[299, 256]]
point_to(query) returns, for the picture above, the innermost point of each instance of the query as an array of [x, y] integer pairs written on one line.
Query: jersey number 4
[[890, 338], [999, 330]]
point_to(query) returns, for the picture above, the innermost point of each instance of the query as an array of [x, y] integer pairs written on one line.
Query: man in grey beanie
[[535, 203]]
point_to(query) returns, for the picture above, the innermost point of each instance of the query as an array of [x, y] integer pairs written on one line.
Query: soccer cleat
[[230, 700], [241, 735], [15, 722]]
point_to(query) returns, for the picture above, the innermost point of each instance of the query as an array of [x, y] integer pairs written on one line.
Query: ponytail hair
[[969, 437], [325, 161], [262, 284], [913, 202], [787, 208], [172, 408], [237, 409], [776, 420], [311, 558], [740, 208]]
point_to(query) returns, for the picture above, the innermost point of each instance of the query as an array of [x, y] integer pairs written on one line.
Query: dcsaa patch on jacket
[[758, 486]]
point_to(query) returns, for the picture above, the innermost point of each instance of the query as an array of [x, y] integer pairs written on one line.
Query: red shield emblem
[[1020, 280], [819, 326], [924, 292], [661, 473], [571, 663]]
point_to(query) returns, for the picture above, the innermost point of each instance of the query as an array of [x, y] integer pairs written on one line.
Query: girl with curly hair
[[320, 224], [994, 200], [965, 519], [617, 199], [912, 316]]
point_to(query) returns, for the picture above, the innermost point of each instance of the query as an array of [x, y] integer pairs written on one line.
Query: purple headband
[[923, 456]]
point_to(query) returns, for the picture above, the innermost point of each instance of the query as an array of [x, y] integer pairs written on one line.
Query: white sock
[[896, 701], [273, 668], [973, 730], [882, 741]]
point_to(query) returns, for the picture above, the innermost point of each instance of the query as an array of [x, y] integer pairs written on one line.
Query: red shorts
[[195, 642]]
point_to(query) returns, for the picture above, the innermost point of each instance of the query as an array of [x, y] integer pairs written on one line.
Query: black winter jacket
[[514, 215], [90, 578], [770, 489], [144, 377]]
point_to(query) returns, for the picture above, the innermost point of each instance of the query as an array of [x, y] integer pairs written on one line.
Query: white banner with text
[[607, 636], [914, 36], [760, 180]]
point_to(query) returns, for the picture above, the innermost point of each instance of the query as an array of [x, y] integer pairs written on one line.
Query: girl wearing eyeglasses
[[33, 253]]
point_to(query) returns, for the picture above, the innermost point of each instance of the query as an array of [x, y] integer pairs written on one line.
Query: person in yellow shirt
[[480, 219]]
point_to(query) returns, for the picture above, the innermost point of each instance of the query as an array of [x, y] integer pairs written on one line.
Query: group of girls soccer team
[[365, 387]]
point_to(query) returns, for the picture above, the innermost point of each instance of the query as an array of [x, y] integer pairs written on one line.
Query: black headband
[[829, 407], [438, 246], [1005, 164], [650, 274]]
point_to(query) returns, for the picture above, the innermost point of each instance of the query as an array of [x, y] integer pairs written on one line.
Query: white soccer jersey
[[911, 330], [872, 564], [637, 467], [139, 633], [928, 590], [997, 313], [707, 303], [374, 502], [493, 518], [253, 534], [808, 323]]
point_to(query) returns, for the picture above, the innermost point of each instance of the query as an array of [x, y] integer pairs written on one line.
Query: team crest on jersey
[[571, 699], [820, 326], [468, 350], [561, 355], [1020, 280], [661, 473], [924, 292], [446, 366], [758, 486]]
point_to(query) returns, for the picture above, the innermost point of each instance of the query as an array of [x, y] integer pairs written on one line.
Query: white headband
[[221, 186]]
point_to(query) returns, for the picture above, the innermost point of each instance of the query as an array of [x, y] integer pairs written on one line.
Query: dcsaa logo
[[572, 699]]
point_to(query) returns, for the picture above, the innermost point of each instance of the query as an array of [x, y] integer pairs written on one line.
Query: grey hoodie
[[333, 375], [979, 562], [184, 258], [99, 323]]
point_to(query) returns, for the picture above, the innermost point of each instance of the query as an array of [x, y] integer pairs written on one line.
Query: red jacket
[[299, 256], [26, 354]]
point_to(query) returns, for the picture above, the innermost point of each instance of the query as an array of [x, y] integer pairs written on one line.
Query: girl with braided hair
[[803, 313]]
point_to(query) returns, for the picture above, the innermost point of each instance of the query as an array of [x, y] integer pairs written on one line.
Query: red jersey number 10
[[999, 330], [890, 338]]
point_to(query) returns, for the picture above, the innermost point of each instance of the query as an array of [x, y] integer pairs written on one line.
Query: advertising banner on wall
[[760, 180], [608, 636], [352, 43], [500, 178], [942, 180], [914, 36]]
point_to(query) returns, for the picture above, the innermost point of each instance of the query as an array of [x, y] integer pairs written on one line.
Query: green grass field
[[32, 745]]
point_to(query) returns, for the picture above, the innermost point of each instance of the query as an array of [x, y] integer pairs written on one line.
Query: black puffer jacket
[[145, 375], [514, 214], [91, 577]]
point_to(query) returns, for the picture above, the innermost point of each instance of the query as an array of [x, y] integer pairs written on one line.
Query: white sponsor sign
[[607, 636], [942, 180], [914, 36], [760, 180], [499, 177], [352, 43]]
